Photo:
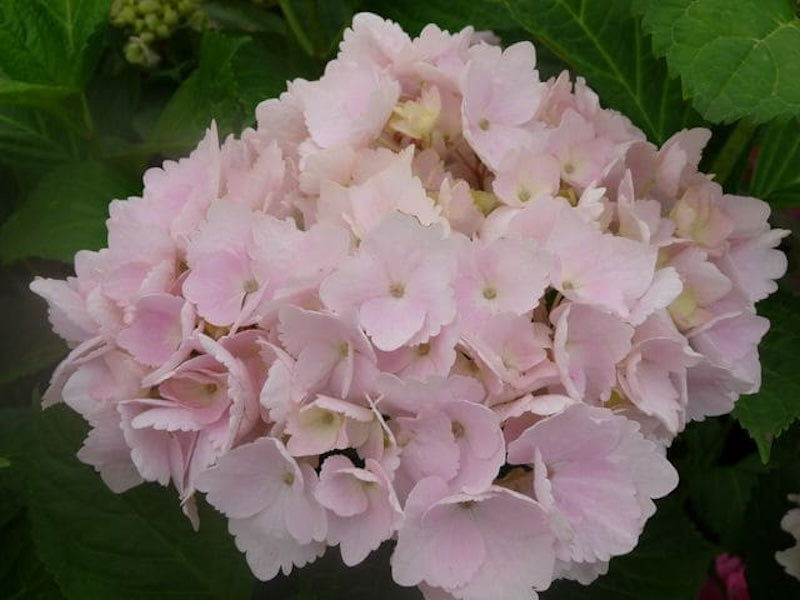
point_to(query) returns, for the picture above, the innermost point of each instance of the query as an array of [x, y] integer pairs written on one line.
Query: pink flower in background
[[728, 581], [429, 299]]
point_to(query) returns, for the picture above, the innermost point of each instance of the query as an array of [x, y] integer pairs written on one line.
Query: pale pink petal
[[391, 322], [249, 478], [268, 551]]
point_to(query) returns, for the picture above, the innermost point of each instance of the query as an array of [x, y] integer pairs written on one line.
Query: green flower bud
[[151, 21], [162, 32], [134, 53], [148, 7], [147, 37], [116, 7], [197, 20], [139, 53], [185, 7], [125, 16]]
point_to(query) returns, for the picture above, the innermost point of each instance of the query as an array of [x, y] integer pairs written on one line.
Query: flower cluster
[[430, 298], [148, 21]]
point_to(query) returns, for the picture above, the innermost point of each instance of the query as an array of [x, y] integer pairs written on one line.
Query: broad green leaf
[[51, 42], [209, 93], [15, 429], [260, 74], [135, 545], [4, 462], [64, 214], [762, 535], [718, 467], [22, 574], [736, 58], [414, 15], [604, 42], [776, 406], [776, 177], [114, 99], [317, 25], [11, 503], [233, 74], [30, 140], [720, 496], [48, 49], [243, 15], [28, 345], [20, 92], [669, 562]]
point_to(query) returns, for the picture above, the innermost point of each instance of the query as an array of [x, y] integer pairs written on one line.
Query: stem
[[738, 141], [294, 25]]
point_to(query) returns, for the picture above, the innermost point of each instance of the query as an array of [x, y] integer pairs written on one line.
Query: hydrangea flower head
[[429, 298]]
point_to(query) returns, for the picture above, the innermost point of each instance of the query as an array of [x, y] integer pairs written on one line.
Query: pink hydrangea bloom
[[429, 297]]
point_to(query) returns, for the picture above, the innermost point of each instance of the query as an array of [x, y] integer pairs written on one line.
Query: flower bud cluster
[[151, 21], [429, 298]]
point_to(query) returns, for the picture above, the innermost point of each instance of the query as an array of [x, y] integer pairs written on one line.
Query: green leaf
[[51, 42], [233, 74], [209, 93], [260, 74], [135, 545], [736, 58], [718, 468], [15, 433], [776, 406], [65, 213], [762, 535], [720, 496], [413, 16], [48, 49], [317, 25], [776, 177], [604, 42], [244, 16], [19, 92], [669, 562], [29, 344], [22, 574], [30, 140], [4, 462]]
